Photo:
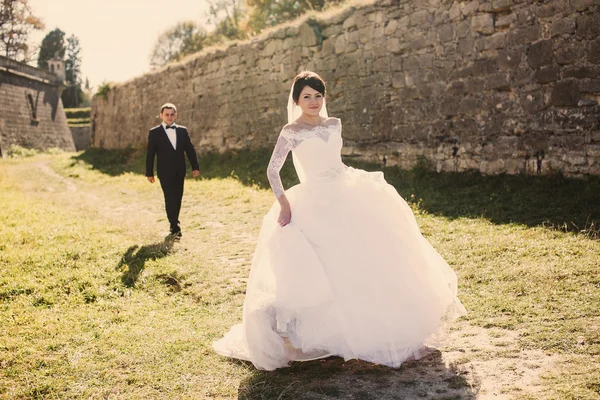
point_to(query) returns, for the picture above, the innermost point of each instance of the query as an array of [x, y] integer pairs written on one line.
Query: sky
[[116, 36]]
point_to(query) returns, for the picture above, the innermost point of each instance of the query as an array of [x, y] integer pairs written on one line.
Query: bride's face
[[310, 101]]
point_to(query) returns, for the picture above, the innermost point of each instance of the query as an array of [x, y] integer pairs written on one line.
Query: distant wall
[[497, 86], [31, 111], [81, 137]]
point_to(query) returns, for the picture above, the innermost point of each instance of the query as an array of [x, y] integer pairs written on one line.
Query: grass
[[96, 302], [78, 116]]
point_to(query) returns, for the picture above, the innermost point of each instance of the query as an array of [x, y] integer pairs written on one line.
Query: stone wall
[[500, 86], [81, 137], [31, 111]]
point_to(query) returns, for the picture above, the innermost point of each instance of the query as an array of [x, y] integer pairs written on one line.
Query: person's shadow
[[133, 261], [333, 378]]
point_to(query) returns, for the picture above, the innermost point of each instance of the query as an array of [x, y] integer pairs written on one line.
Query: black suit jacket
[[170, 162]]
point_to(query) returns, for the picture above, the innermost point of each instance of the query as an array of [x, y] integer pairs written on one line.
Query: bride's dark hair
[[307, 78]]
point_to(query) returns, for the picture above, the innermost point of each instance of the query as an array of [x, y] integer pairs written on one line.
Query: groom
[[169, 142]]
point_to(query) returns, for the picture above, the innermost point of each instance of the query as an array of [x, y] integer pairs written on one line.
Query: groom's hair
[[307, 78], [168, 106]]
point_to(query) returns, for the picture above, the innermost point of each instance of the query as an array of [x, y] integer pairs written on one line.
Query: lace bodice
[[316, 152]]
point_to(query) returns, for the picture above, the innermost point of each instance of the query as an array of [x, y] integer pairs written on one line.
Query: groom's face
[[168, 116]]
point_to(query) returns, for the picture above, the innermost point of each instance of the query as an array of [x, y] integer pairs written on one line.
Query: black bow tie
[[170, 127]]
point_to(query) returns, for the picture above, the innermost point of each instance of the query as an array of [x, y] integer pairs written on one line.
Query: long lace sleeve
[[280, 152]]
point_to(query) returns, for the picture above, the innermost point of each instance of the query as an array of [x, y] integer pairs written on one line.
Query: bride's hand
[[285, 216]]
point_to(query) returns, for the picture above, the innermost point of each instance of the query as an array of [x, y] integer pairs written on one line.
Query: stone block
[[340, 44], [594, 52], [483, 23], [396, 63], [366, 34], [449, 107], [353, 37], [463, 28], [445, 33], [391, 27], [289, 43], [567, 52], [523, 35], [454, 12], [377, 17], [485, 66], [532, 102], [398, 80], [402, 24], [469, 8], [495, 41], [349, 23], [588, 26], [508, 60], [382, 64], [333, 30], [328, 47], [420, 18], [307, 36], [582, 5], [592, 150], [547, 74], [474, 85], [485, 6], [469, 105], [498, 81], [440, 17], [393, 45], [271, 47], [501, 5], [581, 72], [540, 53], [590, 86], [563, 26], [504, 21], [565, 94], [466, 46]]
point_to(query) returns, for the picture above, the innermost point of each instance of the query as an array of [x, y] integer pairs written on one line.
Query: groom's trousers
[[173, 191]]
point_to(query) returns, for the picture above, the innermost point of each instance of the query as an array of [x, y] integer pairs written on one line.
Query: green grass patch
[[73, 113], [94, 302], [78, 121]]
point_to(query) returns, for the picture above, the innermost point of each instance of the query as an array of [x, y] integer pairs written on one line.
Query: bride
[[341, 267]]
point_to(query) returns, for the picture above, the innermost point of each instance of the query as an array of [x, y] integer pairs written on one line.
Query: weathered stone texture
[[31, 112], [499, 86], [81, 137]]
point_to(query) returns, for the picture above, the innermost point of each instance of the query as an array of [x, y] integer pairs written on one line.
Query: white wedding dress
[[350, 276]]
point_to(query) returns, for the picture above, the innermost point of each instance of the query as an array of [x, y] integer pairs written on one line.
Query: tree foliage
[[232, 20], [267, 13], [72, 95], [52, 45], [16, 23], [228, 16], [184, 38]]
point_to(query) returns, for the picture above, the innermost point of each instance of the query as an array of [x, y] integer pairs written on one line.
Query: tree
[[267, 13], [52, 44], [72, 95], [184, 38], [228, 17], [16, 23]]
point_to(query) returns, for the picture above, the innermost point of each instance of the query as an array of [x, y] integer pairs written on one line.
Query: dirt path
[[476, 363]]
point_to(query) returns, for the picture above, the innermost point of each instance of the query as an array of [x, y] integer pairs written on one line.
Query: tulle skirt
[[350, 276]]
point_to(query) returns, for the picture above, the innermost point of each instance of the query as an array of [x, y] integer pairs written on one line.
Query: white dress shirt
[[171, 134]]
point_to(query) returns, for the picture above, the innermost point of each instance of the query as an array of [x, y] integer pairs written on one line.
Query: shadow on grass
[[567, 204], [114, 162], [134, 260], [334, 378]]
